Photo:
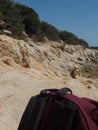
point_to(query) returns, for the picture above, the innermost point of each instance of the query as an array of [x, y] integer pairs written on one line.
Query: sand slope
[[17, 85]]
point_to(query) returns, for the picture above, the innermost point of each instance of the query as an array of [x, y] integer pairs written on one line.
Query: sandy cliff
[[28, 67]]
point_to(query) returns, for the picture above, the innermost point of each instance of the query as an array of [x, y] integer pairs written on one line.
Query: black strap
[[27, 113], [68, 117], [33, 113], [54, 115], [45, 91], [42, 103], [61, 92]]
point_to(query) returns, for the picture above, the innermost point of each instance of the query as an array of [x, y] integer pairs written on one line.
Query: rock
[[48, 54], [80, 59], [75, 72], [7, 32]]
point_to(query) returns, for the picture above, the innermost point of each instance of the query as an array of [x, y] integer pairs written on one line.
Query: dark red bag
[[55, 109]]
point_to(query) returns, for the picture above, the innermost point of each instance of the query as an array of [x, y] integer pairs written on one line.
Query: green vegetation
[[50, 31], [20, 18], [96, 48]]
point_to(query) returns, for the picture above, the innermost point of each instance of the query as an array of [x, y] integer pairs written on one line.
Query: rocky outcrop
[[58, 57], [16, 50], [62, 61]]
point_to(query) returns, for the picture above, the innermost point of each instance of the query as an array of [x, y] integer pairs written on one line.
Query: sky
[[79, 17]]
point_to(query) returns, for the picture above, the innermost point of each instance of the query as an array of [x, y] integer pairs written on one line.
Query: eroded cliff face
[[54, 56], [57, 57]]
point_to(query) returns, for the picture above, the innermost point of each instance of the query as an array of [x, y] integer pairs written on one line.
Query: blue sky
[[77, 16]]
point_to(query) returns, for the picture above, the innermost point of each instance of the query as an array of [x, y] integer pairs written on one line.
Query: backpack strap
[[46, 91], [33, 113], [61, 92]]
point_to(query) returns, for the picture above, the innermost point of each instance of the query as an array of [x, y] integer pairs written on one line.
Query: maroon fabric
[[46, 112], [87, 118], [87, 115]]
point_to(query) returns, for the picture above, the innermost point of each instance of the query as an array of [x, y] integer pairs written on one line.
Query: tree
[[68, 37], [30, 19], [50, 31], [31, 25], [83, 43]]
